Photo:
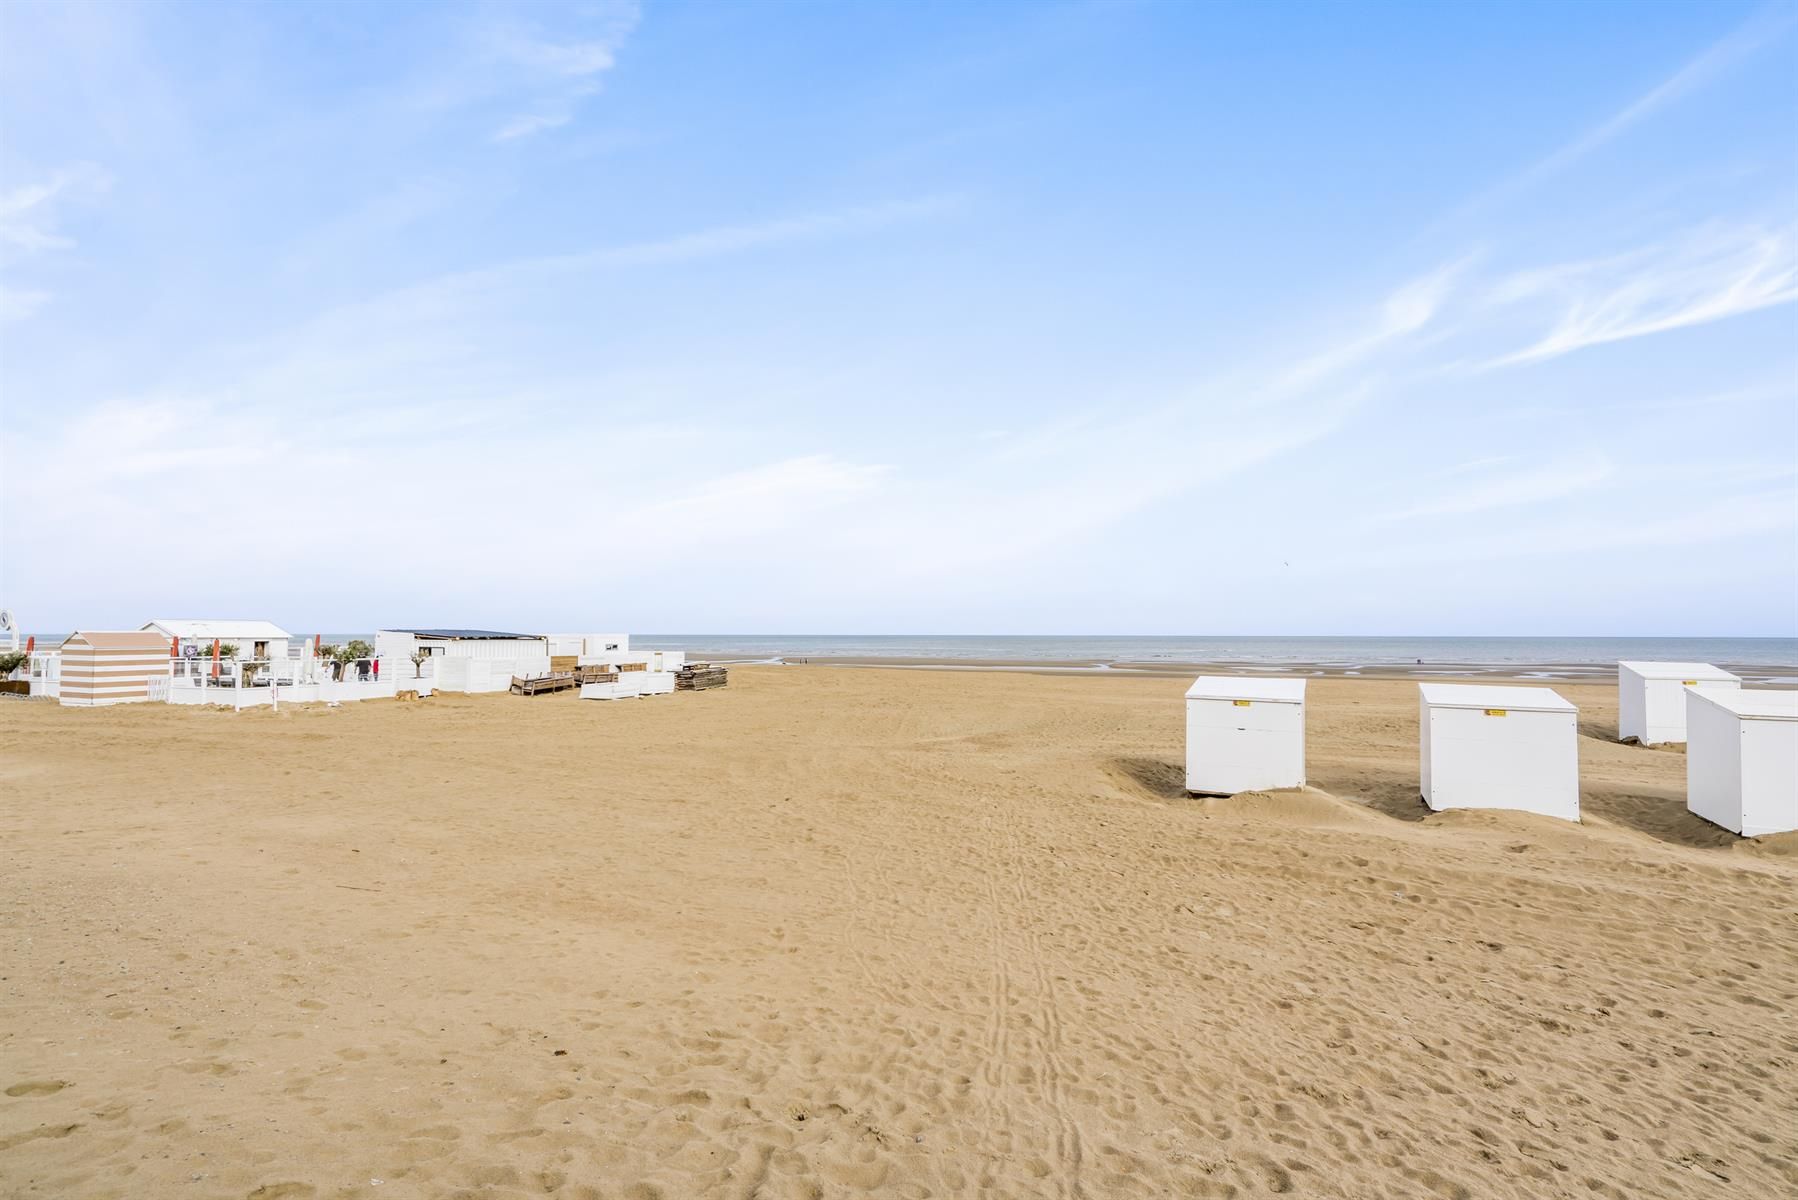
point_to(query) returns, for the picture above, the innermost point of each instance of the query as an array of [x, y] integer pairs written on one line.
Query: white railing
[[204, 671], [247, 684], [200, 672]]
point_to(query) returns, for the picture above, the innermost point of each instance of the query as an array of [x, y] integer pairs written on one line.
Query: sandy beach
[[846, 932]]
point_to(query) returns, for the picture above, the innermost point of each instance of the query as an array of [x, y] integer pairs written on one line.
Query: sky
[[1158, 318]]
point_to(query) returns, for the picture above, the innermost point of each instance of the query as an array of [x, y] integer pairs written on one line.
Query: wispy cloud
[[1406, 311], [1711, 276], [558, 73], [30, 224], [17, 304], [529, 123], [29, 213], [1714, 62], [732, 239], [456, 291]]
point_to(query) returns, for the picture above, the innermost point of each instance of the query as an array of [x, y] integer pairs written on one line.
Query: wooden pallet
[[544, 684], [697, 677], [595, 674]]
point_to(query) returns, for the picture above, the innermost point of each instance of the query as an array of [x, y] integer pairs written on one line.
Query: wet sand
[[867, 932], [1540, 673]]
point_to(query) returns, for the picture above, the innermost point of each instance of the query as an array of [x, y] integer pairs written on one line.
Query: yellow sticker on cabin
[[1689, 682], [1240, 703], [1495, 712]]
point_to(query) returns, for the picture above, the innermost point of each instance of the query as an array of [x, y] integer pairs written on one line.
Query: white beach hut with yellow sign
[[1244, 734], [1492, 746], [1651, 697]]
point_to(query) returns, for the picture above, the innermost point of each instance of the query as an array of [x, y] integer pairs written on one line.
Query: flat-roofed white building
[[591, 649], [1244, 733], [1742, 759], [1492, 746], [1651, 697], [255, 640], [463, 660]]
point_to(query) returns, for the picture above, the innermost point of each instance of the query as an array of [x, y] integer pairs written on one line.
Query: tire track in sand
[[1068, 1148]]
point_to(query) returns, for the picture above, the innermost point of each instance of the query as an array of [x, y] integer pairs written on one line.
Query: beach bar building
[[589, 649], [1742, 759], [463, 660], [1651, 697], [1244, 734], [265, 654], [113, 667], [1490, 746], [259, 641]]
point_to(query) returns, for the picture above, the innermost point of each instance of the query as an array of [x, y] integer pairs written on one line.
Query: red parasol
[[215, 658]]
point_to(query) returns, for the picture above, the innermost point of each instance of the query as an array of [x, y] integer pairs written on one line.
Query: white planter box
[[1651, 697], [1742, 759], [630, 685], [1244, 734], [1484, 746]]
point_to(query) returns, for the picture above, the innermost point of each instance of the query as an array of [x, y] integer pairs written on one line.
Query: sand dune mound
[[1300, 808]]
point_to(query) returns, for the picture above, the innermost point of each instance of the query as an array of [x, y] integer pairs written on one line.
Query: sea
[[1758, 660], [1766, 660]]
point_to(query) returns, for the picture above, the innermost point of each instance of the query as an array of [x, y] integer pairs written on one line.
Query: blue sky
[[1059, 318]]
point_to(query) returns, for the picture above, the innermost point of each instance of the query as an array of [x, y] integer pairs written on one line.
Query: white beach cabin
[[462, 660], [1651, 697], [1490, 746], [255, 640], [1244, 734], [1742, 759]]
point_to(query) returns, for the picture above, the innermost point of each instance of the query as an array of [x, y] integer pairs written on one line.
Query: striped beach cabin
[[114, 667]]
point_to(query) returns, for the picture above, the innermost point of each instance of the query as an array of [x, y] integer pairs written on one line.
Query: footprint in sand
[[42, 1131], [36, 1087]]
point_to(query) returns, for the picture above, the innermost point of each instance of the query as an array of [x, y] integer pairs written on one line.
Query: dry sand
[[859, 932]]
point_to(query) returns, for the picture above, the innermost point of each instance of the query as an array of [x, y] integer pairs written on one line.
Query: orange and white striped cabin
[[103, 667]]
